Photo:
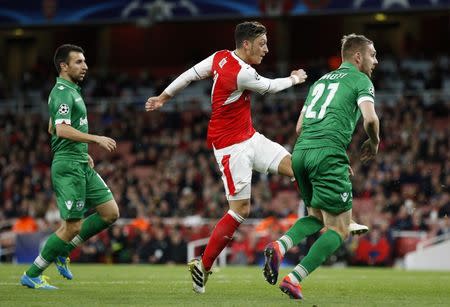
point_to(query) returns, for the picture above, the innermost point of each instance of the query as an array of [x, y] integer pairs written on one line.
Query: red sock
[[220, 237]]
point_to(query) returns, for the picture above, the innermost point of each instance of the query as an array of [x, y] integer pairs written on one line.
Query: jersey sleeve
[[365, 90], [249, 79], [199, 71], [61, 108]]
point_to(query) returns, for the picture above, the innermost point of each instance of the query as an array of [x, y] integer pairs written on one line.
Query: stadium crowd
[[168, 185]]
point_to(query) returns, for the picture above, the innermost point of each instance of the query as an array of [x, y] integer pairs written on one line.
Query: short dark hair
[[62, 54], [248, 30], [353, 43]]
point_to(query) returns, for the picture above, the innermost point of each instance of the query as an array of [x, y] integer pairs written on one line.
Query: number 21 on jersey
[[317, 93]]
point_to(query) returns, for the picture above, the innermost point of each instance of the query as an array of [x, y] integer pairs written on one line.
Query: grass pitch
[[149, 285]]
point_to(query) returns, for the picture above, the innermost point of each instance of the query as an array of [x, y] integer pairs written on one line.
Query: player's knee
[[343, 232], [244, 212], [72, 229]]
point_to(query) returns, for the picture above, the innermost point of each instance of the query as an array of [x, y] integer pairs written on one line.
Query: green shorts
[[322, 175], [78, 187]]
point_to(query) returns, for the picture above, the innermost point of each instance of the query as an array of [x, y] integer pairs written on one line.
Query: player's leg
[[285, 168], [332, 195], [98, 195], [274, 251], [320, 251], [220, 237], [235, 163], [69, 184], [56, 244]]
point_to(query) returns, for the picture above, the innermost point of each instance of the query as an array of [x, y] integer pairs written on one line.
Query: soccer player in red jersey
[[238, 148]]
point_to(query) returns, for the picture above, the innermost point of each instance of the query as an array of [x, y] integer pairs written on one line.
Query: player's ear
[[246, 44], [63, 66], [358, 57]]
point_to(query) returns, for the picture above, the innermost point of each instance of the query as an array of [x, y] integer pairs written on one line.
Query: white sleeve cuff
[[365, 98], [62, 121]]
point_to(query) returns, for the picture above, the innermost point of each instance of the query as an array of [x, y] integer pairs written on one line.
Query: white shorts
[[237, 162]]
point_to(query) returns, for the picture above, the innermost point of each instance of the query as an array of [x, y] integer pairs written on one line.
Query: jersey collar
[[68, 84], [348, 65]]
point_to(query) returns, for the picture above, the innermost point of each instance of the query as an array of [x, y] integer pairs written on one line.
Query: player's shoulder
[[359, 76], [60, 90]]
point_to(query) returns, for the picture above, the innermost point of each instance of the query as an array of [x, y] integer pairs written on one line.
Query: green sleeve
[[61, 108], [364, 90]]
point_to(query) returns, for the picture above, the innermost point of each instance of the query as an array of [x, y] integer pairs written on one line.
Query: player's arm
[[50, 127], [249, 79], [199, 71], [372, 127], [66, 131], [298, 127]]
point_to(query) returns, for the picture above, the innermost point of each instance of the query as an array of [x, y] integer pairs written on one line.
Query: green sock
[[91, 226], [304, 227], [323, 248], [52, 248]]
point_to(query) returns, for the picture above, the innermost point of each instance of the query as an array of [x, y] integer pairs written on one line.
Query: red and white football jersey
[[234, 80]]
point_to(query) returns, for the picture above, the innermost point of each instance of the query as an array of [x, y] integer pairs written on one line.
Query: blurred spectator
[[373, 249]]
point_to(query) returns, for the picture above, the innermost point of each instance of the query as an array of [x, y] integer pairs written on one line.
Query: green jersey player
[[77, 185], [332, 109]]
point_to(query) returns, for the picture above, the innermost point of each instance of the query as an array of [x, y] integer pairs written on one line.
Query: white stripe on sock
[[288, 241], [41, 262], [236, 216], [300, 269], [76, 241]]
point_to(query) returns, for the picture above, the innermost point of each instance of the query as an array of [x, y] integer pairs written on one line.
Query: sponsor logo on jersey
[[69, 204], [257, 77], [372, 91], [60, 87], [83, 121], [344, 196], [78, 99], [63, 109], [80, 205]]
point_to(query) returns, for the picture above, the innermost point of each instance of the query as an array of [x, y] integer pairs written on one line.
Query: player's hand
[[106, 143], [154, 103], [299, 76], [369, 150], [90, 161]]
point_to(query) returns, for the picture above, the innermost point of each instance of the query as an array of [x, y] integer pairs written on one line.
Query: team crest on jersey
[[80, 205], [63, 109]]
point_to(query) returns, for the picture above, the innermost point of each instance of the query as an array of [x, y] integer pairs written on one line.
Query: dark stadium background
[[164, 178]]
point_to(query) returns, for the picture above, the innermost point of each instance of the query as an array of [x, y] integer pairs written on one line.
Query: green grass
[[148, 285]]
